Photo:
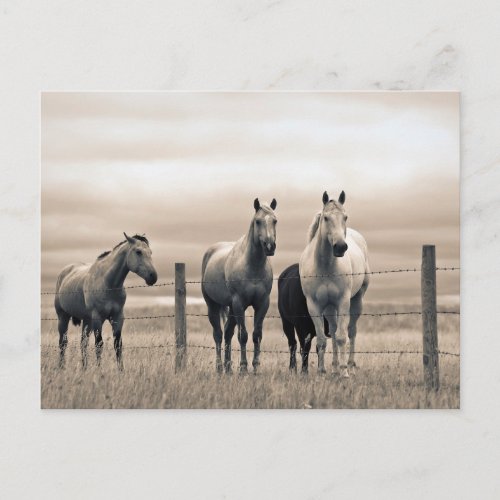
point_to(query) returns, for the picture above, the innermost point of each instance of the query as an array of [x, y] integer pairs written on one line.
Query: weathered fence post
[[429, 318], [180, 316]]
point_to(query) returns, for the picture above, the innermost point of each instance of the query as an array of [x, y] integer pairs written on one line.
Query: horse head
[[264, 225], [139, 259], [333, 221]]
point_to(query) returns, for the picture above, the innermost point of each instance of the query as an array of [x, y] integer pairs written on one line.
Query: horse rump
[[292, 303]]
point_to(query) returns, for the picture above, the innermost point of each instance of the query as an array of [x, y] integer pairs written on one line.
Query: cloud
[[184, 169], [79, 226]]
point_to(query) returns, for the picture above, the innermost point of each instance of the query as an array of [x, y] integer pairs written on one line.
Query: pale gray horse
[[235, 276], [93, 293], [334, 274]]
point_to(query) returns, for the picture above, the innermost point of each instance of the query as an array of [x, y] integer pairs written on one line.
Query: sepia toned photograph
[[250, 250]]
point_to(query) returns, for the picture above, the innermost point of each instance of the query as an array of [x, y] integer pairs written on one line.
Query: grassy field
[[149, 379]]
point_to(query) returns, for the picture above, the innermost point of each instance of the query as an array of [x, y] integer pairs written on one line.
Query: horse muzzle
[[269, 249], [151, 278], [339, 249]]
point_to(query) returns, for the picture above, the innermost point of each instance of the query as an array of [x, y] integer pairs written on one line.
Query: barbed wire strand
[[344, 314], [266, 351], [171, 283], [273, 316], [49, 292], [131, 317], [388, 271]]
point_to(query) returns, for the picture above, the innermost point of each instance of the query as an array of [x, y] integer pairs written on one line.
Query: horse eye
[[258, 221], [326, 218], [345, 217], [275, 221], [138, 252]]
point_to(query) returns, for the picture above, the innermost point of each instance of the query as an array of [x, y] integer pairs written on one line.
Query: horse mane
[[313, 228], [136, 236]]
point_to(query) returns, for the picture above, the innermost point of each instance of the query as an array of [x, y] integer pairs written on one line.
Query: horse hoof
[[344, 373], [321, 371], [352, 371], [243, 370]]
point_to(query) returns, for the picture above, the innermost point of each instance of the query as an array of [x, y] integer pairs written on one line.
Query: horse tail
[[59, 281], [204, 262], [76, 321], [224, 314]]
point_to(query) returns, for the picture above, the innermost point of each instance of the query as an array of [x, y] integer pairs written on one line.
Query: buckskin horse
[[93, 293], [235, 276]]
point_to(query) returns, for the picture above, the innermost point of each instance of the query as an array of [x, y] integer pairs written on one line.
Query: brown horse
[[94, 293], [238, 275]]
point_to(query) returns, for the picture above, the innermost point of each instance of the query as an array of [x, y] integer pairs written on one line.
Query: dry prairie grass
[[149, 379]]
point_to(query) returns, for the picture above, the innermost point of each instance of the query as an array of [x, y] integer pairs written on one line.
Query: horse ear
[[274, 204], [325, 198], [129, 239], [256, 204], [342, 198]]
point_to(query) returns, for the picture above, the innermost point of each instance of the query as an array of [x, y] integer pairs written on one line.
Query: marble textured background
[[288, 44]]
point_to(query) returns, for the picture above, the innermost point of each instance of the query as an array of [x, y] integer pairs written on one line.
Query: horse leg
[[341, 337], [97, 329], [228, 336], [289, 331], [335, 362], [317, 318], [355, 312], [332, 328], [258, 321], [62, 325], [117, 325], [84, 342], [305, 348], [98, 344], [214, 318], [239, 313]]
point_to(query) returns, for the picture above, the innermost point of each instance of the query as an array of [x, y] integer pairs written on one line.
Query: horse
[[236, 275], [295, 316], [334, 275], [93, 293]]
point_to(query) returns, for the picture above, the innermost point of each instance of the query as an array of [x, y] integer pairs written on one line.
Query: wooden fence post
[[429, 318], [180, 316]]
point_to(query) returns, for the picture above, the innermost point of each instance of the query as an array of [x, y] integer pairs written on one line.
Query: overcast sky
[[184, 168]]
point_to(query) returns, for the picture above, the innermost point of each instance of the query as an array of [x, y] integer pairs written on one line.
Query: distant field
[[149, 379]]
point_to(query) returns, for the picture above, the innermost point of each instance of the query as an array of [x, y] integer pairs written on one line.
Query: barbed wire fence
[[429, 313], [199, 282]]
